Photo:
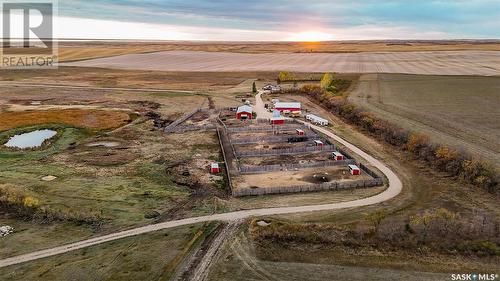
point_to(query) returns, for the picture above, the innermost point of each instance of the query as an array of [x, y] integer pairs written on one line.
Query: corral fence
[[272, 139], [261, 129], [293, 167], [285, 151], [228, 173], [307, 188], [171, 126], [369, 171]]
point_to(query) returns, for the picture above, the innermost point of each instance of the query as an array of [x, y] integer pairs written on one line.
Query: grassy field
[[151, 256], [461, 111], [71, 51], [80, 118], [98, 77]]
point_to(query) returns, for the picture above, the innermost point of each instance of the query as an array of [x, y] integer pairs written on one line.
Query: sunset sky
[[278, 20]]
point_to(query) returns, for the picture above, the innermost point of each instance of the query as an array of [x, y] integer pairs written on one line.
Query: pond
[[31, 139]]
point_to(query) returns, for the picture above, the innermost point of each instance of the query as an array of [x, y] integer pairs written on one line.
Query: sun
[[310, 36]]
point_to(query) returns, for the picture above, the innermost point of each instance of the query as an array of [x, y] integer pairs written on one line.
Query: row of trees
[[438, 230], [443, 158]]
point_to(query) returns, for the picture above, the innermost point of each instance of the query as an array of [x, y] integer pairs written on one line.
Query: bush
[[20, 205]]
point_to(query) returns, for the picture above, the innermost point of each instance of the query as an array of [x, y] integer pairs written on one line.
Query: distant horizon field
[[90, 49], [486, 63]]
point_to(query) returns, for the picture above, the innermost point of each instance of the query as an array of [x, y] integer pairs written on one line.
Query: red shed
[[214, 168], [318, 143], [300, 132], [338, 156], [355, 170], [244, 112]]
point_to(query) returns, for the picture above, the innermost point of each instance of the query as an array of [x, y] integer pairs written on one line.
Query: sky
[[278, 20]]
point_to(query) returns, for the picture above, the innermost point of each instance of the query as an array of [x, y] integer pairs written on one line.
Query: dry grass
[[80, 51], [91, 119], [460, 111]]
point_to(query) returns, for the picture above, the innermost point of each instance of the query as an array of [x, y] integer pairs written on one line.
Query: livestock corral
[[271, 159]]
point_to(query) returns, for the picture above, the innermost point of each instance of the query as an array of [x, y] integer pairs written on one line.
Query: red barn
[[244, 112], [288, 106], [214, 168], [338, 156], [355, 170], [277, 120]]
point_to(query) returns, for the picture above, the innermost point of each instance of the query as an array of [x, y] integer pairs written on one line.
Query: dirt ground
[[438, 63], [272, 146], [302, 177], [299, 158]]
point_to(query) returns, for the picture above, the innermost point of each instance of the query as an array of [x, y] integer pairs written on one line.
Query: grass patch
[[92, 119]]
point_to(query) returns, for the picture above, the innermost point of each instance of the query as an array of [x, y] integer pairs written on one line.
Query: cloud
[[281, 19]]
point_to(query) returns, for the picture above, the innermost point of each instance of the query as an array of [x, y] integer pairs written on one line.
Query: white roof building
[[288, 105], [316, 119], [245, 108]]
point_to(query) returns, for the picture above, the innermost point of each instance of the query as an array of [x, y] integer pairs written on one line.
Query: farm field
[[444, 63], [461, 111], [73, 51]]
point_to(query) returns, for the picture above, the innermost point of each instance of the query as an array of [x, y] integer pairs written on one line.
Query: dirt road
[[259, 107], [394, 188], [444, 63]]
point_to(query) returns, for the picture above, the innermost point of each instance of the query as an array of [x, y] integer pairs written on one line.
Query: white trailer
[[317, 120]]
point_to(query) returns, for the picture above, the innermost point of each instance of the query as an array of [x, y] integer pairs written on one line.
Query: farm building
[[277, 119], [288, 106], [317, 120], [214, 168], [338, 156], [300, 132], [319, 143], [244, 112], [355, 170]]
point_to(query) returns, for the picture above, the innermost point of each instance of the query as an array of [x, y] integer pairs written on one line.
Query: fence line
[[273, 139], [285, 151], [228, 172], [261, 128], [292, 167], [307, 188], [171, 126], [369, 171]]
